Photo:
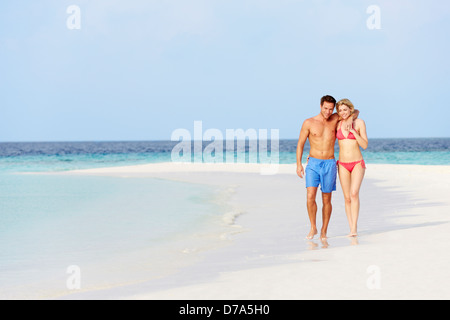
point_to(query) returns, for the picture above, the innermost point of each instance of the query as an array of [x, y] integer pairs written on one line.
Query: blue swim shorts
[[323, 172]]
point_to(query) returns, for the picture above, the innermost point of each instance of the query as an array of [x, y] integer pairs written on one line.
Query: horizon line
[[176, 141]]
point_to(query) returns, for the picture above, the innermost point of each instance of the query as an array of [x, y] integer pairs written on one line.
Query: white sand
[[402, 251]]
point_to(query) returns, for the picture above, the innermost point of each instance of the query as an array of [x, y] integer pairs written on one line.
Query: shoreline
[[401, 205]]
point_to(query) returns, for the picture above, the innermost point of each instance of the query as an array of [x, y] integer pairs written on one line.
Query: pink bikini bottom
[[350, 165]]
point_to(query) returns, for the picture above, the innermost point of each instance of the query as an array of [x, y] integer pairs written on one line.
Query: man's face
[[327, 109]]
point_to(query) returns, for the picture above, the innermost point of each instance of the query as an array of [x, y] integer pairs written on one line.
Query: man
[[321, 169]]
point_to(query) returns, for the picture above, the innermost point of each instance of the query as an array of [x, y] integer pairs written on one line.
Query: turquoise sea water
[[60, 156], [105, 225], [110, 226], [116, 230]]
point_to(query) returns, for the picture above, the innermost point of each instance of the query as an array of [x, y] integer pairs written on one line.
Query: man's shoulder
[[308, 121], [314, 119], [334, 117]]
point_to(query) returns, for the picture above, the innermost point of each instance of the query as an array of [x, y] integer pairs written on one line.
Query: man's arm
[[335, 116], [304, 133]]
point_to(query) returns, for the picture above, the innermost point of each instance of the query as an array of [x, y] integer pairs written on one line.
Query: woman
[[351, 135]]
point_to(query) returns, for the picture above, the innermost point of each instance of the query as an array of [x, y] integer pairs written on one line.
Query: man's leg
[[326, 214], [328, 183], [312, 210]]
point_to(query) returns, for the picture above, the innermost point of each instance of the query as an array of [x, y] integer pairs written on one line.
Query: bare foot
[[323, 234], [324, 242], [311, 234]]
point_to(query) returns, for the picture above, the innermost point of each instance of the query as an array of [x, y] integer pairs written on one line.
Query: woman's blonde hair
[[347, 103]]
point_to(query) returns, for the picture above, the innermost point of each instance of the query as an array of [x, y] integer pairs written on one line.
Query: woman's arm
[[361, 136]]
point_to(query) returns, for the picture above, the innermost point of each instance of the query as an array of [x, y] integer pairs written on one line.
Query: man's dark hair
[[327, 99]]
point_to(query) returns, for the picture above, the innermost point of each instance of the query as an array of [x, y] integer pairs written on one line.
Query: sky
[[141, 69]]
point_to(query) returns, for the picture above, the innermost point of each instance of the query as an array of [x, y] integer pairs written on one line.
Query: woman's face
[[344, 111]]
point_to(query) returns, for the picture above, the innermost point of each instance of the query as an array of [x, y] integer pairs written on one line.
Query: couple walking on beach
[[321, 169]]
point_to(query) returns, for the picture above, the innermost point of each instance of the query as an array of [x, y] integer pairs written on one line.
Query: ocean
[[116, 230], [122, 230], [60, 156]]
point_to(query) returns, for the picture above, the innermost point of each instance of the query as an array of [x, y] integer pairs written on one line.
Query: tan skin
[[321, 132], [349, 151]]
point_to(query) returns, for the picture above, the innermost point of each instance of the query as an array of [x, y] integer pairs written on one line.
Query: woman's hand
[[347, 124]]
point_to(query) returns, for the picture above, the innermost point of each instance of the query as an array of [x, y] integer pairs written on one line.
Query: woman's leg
[[357, 176], [345, 180]]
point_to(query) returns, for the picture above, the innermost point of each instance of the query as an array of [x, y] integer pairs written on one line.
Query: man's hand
[[300, 171]]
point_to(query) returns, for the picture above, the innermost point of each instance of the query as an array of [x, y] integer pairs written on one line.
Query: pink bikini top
[[341, 136]]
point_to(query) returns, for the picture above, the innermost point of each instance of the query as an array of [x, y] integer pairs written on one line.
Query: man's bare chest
[[322, 131]]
